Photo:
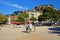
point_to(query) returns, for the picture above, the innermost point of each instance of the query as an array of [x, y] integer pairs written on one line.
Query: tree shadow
[[55, 30]]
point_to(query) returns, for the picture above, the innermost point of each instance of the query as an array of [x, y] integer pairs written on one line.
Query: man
[[34, 27], [27, 28]]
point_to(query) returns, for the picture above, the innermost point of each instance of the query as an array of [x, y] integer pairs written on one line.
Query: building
[[33, 13], [11, 19]]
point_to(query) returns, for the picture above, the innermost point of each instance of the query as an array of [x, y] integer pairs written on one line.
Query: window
[[32, 14]]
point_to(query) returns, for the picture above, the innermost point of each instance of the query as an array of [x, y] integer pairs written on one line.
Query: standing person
[[34, 27], [29, 25], [27, 28]]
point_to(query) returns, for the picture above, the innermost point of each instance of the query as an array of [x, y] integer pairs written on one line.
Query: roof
[[13, 16]]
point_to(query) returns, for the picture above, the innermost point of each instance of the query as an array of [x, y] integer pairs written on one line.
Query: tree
[[3, 18], [17, 12], [23, 17], [20, 19], [33, 19], [41, 18], [49, 12]]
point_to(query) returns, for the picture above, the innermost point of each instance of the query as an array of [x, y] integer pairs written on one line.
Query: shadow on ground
[[24, 32], [55, 30]]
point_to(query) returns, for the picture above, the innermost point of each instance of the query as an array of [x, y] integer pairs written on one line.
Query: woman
[[28, 26]]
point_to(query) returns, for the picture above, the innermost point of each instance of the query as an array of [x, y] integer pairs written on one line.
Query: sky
[[9, 6]]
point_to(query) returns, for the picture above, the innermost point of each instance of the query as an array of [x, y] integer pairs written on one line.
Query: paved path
[[42, 33]]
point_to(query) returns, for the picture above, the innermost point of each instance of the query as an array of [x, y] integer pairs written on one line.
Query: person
[[34, 27], [26, 27], [30, 28]]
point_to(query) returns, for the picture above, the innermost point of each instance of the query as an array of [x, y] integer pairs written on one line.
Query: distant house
[[11, 19]]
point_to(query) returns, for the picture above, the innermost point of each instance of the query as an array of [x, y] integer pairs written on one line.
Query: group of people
[[29, 27]]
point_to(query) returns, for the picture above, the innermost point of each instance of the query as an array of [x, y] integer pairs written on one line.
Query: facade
[[11, 19], [33, 13]]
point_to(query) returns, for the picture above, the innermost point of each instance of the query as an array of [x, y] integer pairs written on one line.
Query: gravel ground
[[7, 32]]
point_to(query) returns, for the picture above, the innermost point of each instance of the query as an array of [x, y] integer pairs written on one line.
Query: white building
[[33, 13]]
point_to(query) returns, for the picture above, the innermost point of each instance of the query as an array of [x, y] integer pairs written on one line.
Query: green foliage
[[49, 12], [23, 17], [41, 18], [3, 18], [16, 13], [33, 19]]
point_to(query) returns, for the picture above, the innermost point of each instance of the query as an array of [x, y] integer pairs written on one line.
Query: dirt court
[[42, 33]]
